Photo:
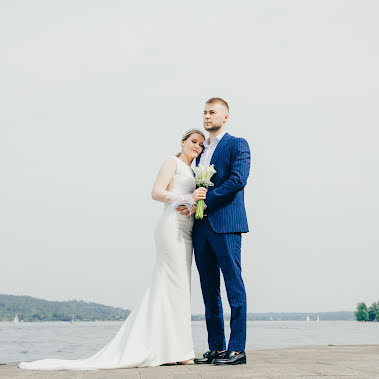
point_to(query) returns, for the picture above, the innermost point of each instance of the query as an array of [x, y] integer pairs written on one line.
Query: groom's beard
[[213, 128]]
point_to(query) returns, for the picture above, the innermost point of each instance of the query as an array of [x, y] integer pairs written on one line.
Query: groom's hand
[[183, 210]]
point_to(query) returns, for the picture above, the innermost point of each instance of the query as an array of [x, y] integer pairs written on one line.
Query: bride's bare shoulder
[[170, 162], [169, 165]]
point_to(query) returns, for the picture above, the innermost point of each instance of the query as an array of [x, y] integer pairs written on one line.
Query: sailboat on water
[[307, 318], [16, 320]]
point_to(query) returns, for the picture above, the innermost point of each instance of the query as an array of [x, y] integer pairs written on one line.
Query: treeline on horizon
[[300, 316], [364, 313], [31, 309]]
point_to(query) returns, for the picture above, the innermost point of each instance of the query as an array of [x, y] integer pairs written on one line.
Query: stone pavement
[[348, 362]]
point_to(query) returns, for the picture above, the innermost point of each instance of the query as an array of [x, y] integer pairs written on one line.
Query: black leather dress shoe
[[209, 356], [231, 358]]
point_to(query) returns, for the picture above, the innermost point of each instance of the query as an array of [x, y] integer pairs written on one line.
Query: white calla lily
[[203, 175]]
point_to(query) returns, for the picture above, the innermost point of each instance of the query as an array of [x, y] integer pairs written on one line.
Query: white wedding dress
[[158, 330]]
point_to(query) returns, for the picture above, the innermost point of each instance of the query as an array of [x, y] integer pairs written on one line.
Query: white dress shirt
[[209, 149]]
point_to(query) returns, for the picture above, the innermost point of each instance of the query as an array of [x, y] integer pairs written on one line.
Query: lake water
[[29, 341]]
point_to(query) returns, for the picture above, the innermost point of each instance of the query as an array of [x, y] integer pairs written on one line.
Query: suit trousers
[[215, 251]]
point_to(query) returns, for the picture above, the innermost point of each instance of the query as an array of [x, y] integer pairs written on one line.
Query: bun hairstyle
[[188, 134]]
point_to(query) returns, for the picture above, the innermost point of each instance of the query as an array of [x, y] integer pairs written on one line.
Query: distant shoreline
[[83, 321], [332, 316], [30, 309]]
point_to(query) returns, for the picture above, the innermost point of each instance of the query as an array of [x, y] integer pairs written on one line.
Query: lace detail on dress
[[185, 200]]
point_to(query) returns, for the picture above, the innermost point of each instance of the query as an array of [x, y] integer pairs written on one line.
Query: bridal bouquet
[[203, 176]]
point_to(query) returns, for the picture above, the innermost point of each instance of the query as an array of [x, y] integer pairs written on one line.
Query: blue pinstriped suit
[[217, 242]]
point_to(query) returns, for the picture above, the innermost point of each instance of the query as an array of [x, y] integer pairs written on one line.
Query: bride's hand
[[183, 210], [199, 193]]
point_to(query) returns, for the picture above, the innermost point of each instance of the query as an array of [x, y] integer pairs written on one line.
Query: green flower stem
[[200, 209]]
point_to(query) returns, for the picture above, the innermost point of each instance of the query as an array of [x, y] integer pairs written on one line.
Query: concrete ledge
[[358, 362]]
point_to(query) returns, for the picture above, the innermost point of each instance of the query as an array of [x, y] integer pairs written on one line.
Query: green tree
[[373, 312], [361, 313]]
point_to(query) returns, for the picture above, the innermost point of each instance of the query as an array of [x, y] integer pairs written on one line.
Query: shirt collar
[[217, 139]]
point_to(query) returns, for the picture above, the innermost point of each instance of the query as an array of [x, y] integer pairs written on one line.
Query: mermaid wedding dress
[[158, 330]]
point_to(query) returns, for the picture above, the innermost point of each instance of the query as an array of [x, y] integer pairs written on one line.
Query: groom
[[217, 237]]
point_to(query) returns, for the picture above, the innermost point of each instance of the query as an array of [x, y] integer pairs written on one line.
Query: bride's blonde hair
[[188, 134]]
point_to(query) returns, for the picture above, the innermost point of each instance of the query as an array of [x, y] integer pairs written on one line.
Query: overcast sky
[[95, 95]]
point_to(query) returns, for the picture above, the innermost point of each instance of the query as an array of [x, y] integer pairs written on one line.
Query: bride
[[158, 330]]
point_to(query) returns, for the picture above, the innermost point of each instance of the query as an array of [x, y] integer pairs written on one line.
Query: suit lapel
[[221, 145]]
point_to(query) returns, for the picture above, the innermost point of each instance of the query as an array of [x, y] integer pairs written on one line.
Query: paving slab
[[306, 362]]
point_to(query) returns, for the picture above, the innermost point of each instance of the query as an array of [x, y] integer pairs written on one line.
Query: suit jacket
[[225, 200]]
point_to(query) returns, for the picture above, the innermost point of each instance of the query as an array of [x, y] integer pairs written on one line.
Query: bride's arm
[[165, 174], [160, 193]]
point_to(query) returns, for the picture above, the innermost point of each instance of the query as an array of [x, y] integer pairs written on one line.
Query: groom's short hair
[[218, 100]]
